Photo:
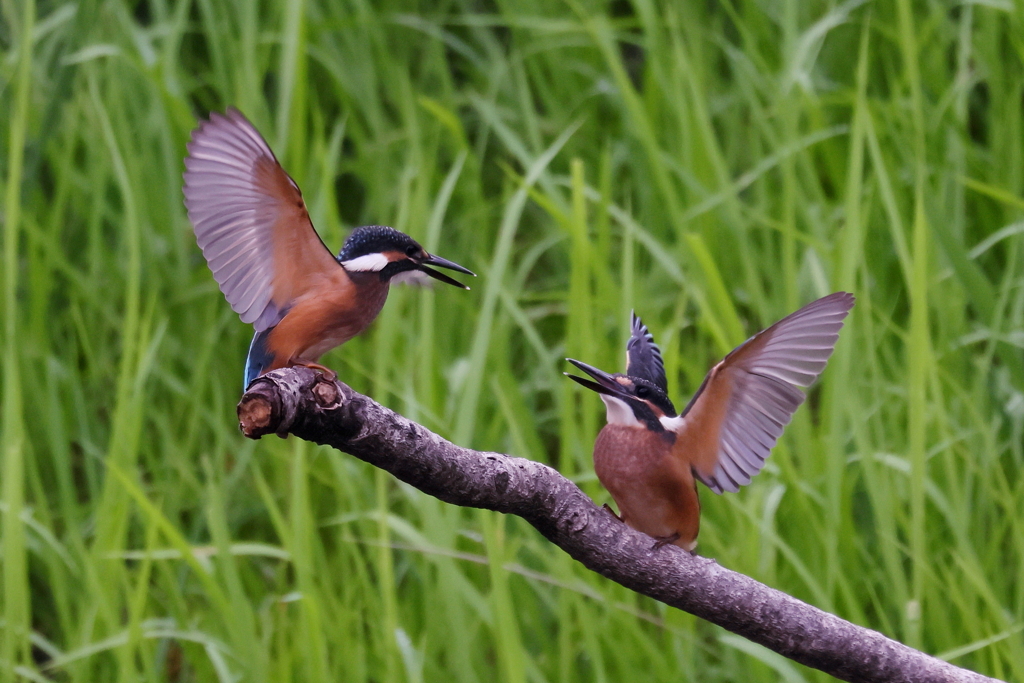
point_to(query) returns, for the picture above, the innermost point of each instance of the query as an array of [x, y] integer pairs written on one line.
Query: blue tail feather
[[259, 356]]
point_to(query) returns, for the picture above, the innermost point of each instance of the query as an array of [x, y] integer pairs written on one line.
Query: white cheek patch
[[368, 263], [672, 424], [414, 277], [619, 412]]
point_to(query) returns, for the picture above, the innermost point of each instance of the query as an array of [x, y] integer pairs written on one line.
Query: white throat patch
[[414, 277], [673, 424], [619, 412], [367, 263]]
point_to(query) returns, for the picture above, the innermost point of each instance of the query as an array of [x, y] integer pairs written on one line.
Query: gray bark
[[299, 401]]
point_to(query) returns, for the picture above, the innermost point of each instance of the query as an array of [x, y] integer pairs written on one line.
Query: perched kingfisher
[[649, 458], [255, 232]]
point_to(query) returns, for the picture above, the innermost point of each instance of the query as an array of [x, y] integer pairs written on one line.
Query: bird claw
[[662, 541], [328, 374], [608, 509]]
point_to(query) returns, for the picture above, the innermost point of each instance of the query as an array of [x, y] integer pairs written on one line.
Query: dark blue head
[[640, 396], [630, 400], [384, 250]]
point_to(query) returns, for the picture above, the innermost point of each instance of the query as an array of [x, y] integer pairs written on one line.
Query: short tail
[[260, 357]]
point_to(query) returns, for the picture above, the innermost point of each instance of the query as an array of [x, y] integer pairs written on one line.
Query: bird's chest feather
[[627, 454], [359, 305], [654, 491], [330, 315], [349, 311]]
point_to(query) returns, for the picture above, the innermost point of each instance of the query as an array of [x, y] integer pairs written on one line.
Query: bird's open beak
[[605, 383], [443, 263]]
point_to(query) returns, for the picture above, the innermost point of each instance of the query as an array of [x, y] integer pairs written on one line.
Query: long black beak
[[443, 263], [605, 383]]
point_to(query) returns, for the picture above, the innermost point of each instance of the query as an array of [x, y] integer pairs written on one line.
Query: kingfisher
[[649, 458], [254, 229]]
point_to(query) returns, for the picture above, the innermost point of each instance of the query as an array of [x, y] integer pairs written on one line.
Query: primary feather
[[250, 220], [735, 418]]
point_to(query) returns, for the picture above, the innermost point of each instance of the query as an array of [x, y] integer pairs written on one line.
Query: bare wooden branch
[[299, 401]]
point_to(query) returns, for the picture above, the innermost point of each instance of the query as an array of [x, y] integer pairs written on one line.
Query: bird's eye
[[411, 250], [642, 392]]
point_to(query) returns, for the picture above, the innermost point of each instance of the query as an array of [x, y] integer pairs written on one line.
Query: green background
[[713, 165]]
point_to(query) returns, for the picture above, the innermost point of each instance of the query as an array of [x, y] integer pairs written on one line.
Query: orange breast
[[654, 491], [330, 314]]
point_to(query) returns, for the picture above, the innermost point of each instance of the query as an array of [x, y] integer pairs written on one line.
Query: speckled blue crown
[[374, 239]]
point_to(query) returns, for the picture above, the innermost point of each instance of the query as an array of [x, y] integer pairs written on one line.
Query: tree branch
[[300, 402]]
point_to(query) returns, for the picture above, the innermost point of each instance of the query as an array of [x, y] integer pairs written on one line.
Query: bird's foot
[[329, 375], [662, 541], [608, 509]]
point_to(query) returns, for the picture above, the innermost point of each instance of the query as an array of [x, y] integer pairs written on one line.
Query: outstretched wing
[[643, 357], [739, 412], [250, 220]]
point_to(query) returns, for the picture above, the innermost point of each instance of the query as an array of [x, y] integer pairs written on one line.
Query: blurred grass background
[[712, 164]]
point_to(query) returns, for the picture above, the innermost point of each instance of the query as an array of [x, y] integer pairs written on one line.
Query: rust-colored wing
[[250, 220], [739, 412]]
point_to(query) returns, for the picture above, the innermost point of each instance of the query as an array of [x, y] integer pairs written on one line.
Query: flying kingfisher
[[255, 232], [649, 458]]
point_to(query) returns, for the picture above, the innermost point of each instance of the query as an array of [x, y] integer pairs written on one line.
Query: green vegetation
[[713, 165]]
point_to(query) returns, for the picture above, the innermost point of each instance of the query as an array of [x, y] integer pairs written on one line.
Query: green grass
[[711, 165]]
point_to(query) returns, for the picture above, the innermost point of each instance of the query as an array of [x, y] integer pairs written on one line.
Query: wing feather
[[643, 357], [732, 423], [250, 220]]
